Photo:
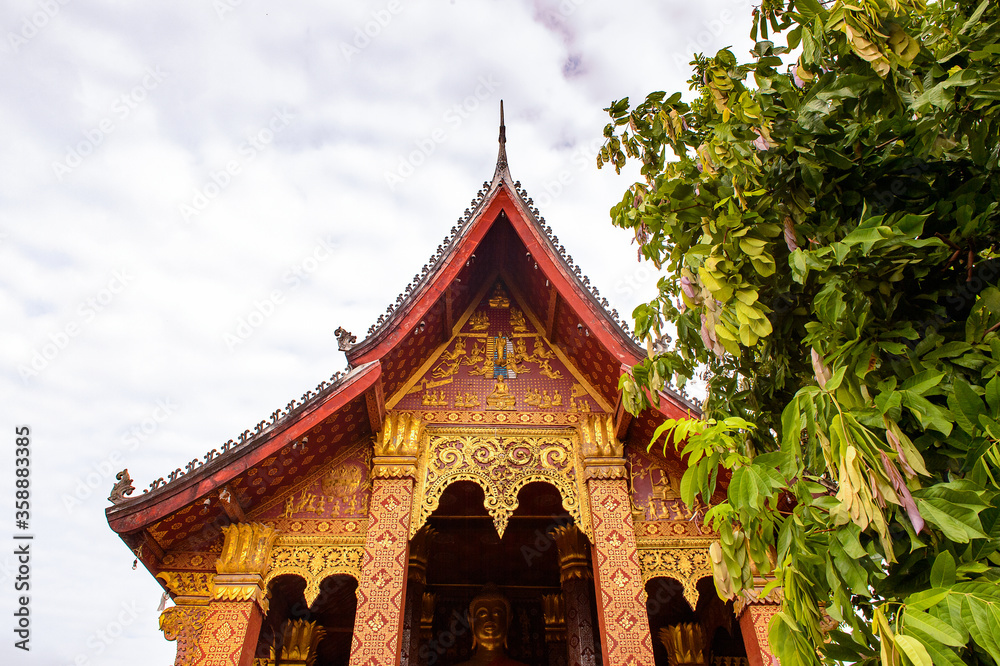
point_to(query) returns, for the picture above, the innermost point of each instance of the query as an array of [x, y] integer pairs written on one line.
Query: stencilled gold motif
[[501, 465]]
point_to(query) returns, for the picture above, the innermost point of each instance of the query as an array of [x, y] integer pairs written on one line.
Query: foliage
[[828, 241]]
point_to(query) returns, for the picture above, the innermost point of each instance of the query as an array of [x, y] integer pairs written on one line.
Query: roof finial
[[502, 171]]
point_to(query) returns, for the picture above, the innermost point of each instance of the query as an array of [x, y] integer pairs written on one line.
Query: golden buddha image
[[489, 615]]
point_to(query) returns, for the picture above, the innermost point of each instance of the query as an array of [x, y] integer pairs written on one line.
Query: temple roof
[[500, 236]]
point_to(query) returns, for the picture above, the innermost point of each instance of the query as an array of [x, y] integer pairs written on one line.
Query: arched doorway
[[332, 613], [708, 634], [464, 553]]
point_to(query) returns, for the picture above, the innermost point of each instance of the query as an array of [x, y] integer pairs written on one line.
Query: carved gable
[[499, 368]]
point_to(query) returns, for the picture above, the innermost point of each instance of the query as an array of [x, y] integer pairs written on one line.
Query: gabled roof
[[500, 233]]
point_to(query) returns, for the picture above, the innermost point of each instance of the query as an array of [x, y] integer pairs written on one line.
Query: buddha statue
[[489, 614]]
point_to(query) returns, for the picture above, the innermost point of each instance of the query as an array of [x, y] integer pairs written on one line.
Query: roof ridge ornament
[[502, 172]]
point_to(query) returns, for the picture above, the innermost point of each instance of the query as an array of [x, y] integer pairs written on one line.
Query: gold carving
[[554, 612], [314, 561], [245, 558], [434, 399], [246, 548], [470, 400], [298, 643], [499, 299], [517, 322], [572, 545], [418, 553], [685, 644], [400, 435], [184, 625], [501, 398], [189, 587], [599, 439], [427, 611], [545, 368], [479, 321], [501, 465], [685, 565], [578, 390]]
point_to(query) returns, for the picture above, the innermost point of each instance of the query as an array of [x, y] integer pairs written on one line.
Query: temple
[[476, 442]]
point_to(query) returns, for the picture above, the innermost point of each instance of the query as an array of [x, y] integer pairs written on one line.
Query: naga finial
[[122, 488]]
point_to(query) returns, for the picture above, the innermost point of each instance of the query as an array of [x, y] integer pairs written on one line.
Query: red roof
[[500, 234]]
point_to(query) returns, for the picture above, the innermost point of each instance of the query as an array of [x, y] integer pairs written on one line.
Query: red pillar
[[378, 623]]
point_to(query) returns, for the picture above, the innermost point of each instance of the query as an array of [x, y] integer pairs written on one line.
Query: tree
[[828, 242]]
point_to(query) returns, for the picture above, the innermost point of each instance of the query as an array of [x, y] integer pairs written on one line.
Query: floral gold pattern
[[501, 465]]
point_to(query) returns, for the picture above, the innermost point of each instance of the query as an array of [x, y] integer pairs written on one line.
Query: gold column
[[575, 576], [192, 592], [231, 626], [621, 597], [381, 592], [554, 611]]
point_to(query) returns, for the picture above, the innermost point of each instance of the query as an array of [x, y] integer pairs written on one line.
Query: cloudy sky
[[169, 169]]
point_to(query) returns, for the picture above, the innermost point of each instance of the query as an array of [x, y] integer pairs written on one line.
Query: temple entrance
[[464, 553], [708, 635], [294, 629]]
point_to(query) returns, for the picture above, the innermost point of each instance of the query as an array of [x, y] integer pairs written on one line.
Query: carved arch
[[501, 464], [313, 563]]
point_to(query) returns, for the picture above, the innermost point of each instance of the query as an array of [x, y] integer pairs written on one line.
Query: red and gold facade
[[478, 438]]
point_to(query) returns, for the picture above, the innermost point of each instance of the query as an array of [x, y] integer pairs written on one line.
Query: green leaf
[[939, 630], [913, 649], [943, 571], [959, 523]]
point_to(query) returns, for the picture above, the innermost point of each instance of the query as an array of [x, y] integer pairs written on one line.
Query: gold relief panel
[[335, 494], [189, 587], [599, 439], [687, 564], [501, 464], [314, 559], [246, 548]]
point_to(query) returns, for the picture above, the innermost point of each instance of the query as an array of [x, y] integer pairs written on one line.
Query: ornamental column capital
[[397, 445], [573, 546], [602, 452], [245, 559]]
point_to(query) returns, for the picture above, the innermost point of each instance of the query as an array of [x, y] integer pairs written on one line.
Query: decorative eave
[[203, 477]]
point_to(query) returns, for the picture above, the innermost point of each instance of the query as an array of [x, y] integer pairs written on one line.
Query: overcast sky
[[167, 169]]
